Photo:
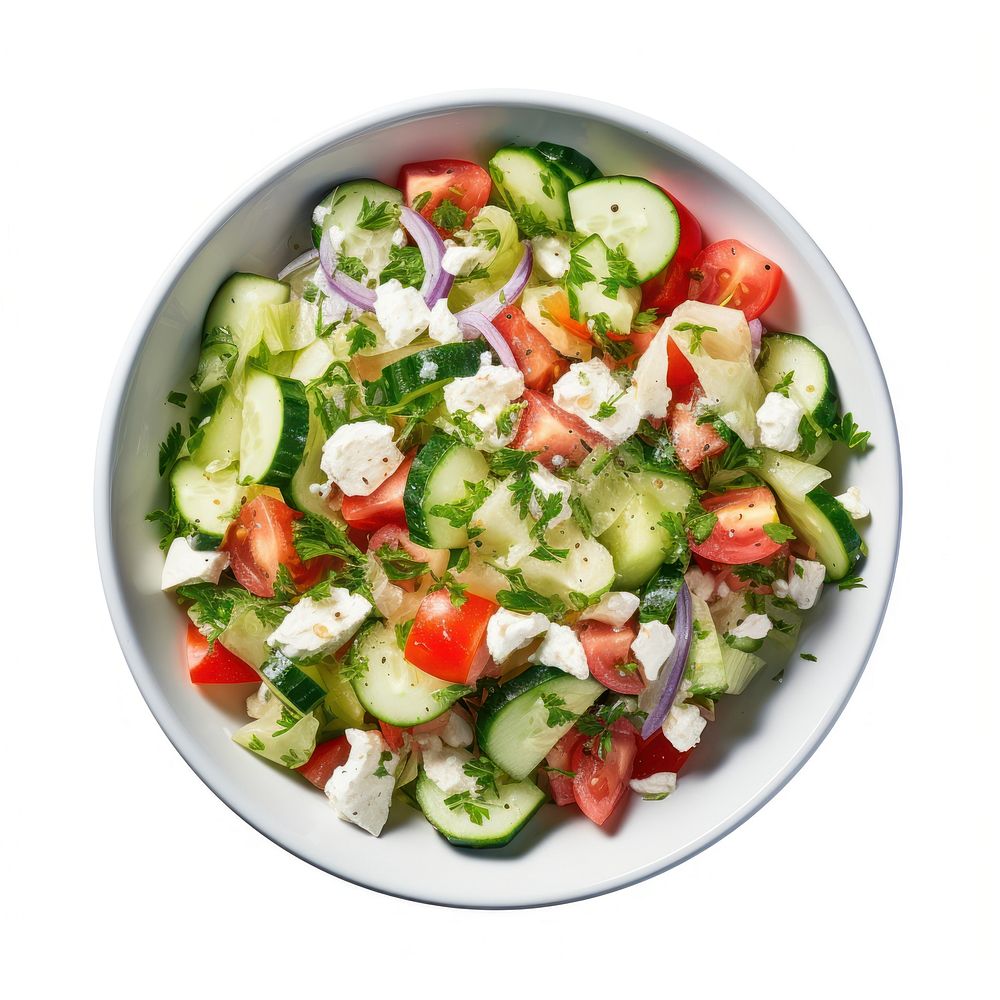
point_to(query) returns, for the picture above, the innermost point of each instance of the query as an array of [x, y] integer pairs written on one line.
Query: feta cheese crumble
[[804, 583], [586, 388], [443, 325], [851, 502], [549, 485], [445, 765], [484, 396], [778, 420], [460, 261], [360, 457], [700, 583], [457, 732], [551, 254], [320, 212], [402, 312], [320, 625], [562, 649], [652, 647], [614, 608], [752, 627], [509, 631], [656, 785], [185, 564], [684, 724], [428, 370], [360, 790]]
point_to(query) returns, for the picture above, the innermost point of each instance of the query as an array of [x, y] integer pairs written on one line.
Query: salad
[[496, 494]]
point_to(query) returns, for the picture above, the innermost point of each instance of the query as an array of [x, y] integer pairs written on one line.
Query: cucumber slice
[[290, 683], [606, 495], [343, 207], [587, 569], [275, 427], [438, 475], [422, 372], [571, 162], [535, 193], [508, 814], [629, 212], [218, 444], [206, 501], [396, 691], [239, 297], [637, 539], [512, 726], [313, 361], [309, 472], [813, 386], [705, 669], [587, 298], [818, 518]]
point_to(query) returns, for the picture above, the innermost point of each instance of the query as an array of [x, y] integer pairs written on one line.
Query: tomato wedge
[[656, 755], [384, 506], [669, 288], [738, 536], [561, 757], [216, 665], [449, 642], [682, 379], [694, 442], [428, 185], [260, 540], [538, 360], [325, 759], [392, 735], [549, 429], [729, 273], [599, 785], [608, 647]]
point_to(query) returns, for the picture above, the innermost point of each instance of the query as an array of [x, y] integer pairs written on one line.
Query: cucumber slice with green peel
[[393, 689], [275, 427], [535, 193], [590, 265], [812, 385], [206, 501], [309, 472], [410, 377], [705, 669], [513, 725], [637, 540], [239, 297], [218, 441], [499, 819], [630, 212], [571, 162], [291, 683], [367, 238], [438, 476]]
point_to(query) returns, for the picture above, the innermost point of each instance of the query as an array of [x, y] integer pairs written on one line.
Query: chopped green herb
[[170, 449], [398, 564], [360, 338], [782, 385], [177, 399], [463, 800], [811, 657], [558, 714], [779, 533], [622, 272], [353, 267], [521, 597], [421, 200], [406, 265], [848, 432], [403, 633], [448, 215], [374, 217], [851, 582], [459, 513]]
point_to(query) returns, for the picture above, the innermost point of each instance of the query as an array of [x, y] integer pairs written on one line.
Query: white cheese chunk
[[360, 790], [551, 254], [457, 732], [684, 724], [650, 379], [586, 387], [401, 311], [614, 608], [656, 785], [778, 420], [851, 502], [460, 261], [483, 397], [652, 647], [562, 649], [445, 765], [752, 627], [508, 631], [549, 485], [360, 457], [443, 325], [700, 583], [320, 212], [185, 564], [804, 583], [257, 703], [320, 625]]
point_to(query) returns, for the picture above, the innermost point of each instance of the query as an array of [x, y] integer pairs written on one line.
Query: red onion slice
[[437, 281], [293, 265], [661, 693], [346, 287], [756, 333], [475, 324], [507, 295]]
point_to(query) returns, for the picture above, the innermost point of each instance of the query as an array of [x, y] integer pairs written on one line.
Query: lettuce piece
[[493, 224], [705, 668], [280, 735]]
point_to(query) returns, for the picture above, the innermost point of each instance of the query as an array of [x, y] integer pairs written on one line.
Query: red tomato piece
[[682, 379], [738, 536], [729, 273], [215, 666], [325, 759], [384, 506], [561, 757], [465, 185], [694, 442], [600, 785], [538, 360], [727, 575], [607, 648], [397, 537], [656, 755], [549, 429], [259, 541], [669, 288], [392, 735], [449, 642]]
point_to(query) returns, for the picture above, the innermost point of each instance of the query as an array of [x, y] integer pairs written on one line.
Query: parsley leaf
[[459, 513], [170, 449], [851, 582], [353, 267], [779, 532], [485, 772], [696, 334], [505, 422], [177, 399], [464, 800], [487, 236], [455, 589], [558, 714], [622, 272], [505, 461], [319, 536], [478, 273], [360, 338], [782, 385], [848, 432], [811, 657], [598, 722], [403, 633], [521, 597], [374, 217], [530, 223], [398, 564], [406, 265], [607, 408], [645, 318], [448, 215], [383, 758], [421, 200], [699, 521], [172, 524]]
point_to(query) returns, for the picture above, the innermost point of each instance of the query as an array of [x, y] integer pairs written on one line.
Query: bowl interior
[[760, 738]]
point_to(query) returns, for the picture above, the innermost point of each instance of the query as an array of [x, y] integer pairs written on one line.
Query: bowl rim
[[196, 757]]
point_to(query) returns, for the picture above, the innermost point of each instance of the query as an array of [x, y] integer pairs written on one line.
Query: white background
[[125, 127]]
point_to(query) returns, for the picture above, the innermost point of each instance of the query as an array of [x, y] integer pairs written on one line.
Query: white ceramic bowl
[[761, 738]]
